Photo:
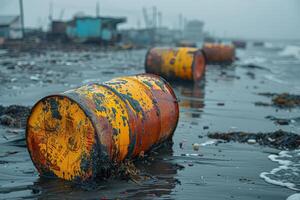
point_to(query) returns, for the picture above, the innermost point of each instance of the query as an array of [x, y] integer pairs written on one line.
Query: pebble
[[196, 146]]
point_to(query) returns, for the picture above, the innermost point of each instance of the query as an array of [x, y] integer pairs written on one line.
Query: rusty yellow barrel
[[219, 53], [176, 63], [82, 133]]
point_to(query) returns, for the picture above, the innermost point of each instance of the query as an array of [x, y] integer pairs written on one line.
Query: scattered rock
[[259, 103], [279, 121], [251, 75], [205, 127], [279, 139]]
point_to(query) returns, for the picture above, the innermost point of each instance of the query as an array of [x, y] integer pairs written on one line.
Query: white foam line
[[264, 176], [294, 197]]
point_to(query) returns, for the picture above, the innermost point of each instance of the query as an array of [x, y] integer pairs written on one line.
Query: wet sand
[[224, 101]]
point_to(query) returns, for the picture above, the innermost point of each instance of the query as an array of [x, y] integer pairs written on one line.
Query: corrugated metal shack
[[94, 29], [10, 27]]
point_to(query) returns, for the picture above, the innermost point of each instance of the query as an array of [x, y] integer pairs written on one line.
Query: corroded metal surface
[[219, 53], [81, 133], [176, 63]]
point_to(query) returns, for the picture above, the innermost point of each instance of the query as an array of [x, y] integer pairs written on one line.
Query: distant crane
[[146, 18], [61, 14]]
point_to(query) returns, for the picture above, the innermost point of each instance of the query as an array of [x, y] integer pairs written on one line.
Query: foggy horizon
[[256, 19]]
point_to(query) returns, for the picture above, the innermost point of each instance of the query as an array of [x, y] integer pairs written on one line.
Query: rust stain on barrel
[[79, 133]]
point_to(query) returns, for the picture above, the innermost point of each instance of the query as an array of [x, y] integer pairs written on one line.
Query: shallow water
[[216, 171]]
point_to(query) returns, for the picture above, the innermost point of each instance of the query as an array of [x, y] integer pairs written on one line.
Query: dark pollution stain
[[54, 108]]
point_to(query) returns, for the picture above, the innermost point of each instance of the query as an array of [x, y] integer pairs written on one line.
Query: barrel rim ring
[[31, 111]]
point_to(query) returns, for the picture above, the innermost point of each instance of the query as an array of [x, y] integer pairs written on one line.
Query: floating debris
[[279, 139]]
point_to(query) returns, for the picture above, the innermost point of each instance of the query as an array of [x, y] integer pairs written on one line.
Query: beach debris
[[220, 104], [283, 100], [205, 127], [286, 100], [251, 141], [283, 121], [196, 146], [279, 139], [14, 116], [181, 145]]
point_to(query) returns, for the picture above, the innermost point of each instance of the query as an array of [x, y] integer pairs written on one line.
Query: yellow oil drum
[[219, 53], [82, 133], [176, 63]]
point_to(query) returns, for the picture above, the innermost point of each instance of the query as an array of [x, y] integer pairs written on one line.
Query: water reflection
[[158, 166], [191, 96]]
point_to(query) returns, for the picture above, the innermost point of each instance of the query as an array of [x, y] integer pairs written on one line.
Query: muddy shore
[[222, 103]]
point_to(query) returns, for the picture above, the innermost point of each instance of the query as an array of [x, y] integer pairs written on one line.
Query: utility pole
[[22, 17], [97, 9], [51, 12], [159, 16]]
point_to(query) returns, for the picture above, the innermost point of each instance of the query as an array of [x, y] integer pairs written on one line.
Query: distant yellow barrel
[[176, 63], [82, 133], [219, 53]]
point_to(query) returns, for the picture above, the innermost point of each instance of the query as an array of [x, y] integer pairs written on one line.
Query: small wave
[[209, 142], [291, 51], [288, 173], [253, 60], [274, 79]]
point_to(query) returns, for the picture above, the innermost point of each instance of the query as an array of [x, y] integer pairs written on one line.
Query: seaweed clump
[[279, 139]]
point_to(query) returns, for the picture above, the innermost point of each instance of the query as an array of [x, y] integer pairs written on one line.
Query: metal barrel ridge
[[176, 63], [219, 53], [81, 133]]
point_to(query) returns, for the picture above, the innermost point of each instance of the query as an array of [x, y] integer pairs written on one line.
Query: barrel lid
[[61, 138], [198, 65]]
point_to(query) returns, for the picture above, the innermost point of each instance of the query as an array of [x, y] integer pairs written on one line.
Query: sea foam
[[288, 172]]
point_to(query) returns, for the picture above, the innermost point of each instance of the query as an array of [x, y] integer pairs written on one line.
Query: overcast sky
[[265, 19]]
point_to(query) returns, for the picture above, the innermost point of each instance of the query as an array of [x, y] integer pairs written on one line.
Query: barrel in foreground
[[176, 63], [80, 134]]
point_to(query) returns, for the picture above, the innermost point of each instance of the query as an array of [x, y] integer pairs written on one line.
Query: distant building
[[84, 29], [150, 36], [193, 30], [10, 27]]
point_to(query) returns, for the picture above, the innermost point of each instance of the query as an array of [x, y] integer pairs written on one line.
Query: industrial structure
[[10, 27], [88, 29]]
